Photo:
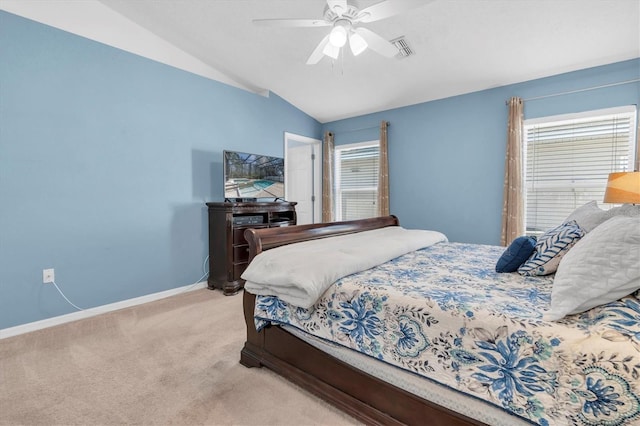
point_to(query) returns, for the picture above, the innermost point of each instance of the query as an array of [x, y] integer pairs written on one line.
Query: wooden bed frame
[[359, 394]]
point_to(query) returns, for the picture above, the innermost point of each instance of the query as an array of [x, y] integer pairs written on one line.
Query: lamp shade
[[623, 188], [338, 35], [357, 43], [331, 51]]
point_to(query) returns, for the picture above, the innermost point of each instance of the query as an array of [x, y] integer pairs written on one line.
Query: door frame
[[316, 171]]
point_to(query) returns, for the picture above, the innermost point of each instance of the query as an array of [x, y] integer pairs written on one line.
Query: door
[[303, 182]]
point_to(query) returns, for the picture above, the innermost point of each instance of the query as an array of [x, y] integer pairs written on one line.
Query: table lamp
[[623, 188]]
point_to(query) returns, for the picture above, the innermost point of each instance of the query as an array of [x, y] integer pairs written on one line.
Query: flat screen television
[[248, 176]]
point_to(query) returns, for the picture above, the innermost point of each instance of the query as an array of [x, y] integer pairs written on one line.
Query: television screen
[[253, 176]]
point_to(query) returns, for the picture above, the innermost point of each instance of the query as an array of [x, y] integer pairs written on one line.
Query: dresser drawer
[[238, 269], [238, 234], [240, 253]]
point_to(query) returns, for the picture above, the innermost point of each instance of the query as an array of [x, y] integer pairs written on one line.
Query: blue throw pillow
[[516, 254]]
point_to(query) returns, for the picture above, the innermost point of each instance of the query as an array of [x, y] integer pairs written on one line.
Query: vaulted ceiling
[[459, 46]]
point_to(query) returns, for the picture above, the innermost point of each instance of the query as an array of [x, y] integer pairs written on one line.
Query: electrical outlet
[[48, 276]]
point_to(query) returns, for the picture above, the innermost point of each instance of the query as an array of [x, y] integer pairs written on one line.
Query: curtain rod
[[619, 83], [362, 128]]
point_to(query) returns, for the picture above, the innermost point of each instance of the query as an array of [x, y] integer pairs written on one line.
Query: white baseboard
[[74, 316]]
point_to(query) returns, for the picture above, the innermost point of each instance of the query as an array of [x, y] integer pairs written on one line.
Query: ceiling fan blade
[[377, 43], [317, 53], [388, 8], [338, 6], [291, 23]]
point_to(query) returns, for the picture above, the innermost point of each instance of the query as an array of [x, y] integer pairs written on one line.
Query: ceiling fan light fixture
[[357, 44], [345, 21], [331, 51], [338, 35]]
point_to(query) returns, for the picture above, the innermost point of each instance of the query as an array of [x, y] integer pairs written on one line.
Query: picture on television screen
[[253, 176]]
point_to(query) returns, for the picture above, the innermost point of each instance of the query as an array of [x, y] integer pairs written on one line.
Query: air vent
[[403, 47]]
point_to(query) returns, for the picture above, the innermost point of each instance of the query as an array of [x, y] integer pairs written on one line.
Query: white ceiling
[[460, 46]]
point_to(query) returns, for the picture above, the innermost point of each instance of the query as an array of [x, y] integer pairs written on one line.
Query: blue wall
[[446, 157], [107, 158], [106, 161]]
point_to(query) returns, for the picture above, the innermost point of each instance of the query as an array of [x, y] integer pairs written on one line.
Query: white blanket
[[300, 273]]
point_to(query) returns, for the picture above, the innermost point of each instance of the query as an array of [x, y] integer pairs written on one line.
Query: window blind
[[567, 162], [356, 181]]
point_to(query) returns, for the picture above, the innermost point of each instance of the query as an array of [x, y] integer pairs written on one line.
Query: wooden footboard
[[359, 394]]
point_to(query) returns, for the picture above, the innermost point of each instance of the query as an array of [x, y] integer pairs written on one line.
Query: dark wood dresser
[[228, 249]]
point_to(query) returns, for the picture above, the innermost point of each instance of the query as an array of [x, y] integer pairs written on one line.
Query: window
[[356, 180], [568, 159]]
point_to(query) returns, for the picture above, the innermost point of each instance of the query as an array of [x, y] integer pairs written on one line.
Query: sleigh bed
[[435, 336]]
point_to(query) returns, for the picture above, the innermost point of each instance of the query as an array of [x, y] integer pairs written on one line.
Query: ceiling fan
[[344, 19]]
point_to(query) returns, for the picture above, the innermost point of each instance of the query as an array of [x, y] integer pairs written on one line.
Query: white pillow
[[626, 210], [589, 216], [600, 268]]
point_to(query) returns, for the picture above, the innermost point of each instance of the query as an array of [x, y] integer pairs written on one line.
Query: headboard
[[267, 238]]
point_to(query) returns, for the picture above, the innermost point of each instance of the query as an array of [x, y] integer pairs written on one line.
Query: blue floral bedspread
[[444, 313]]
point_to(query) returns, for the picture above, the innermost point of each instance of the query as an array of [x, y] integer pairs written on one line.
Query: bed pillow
[[515, 255], [601, 268], [625, 210], [550, 248], [589, 216]]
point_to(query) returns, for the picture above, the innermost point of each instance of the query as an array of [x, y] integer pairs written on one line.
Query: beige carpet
[[173, 361]]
